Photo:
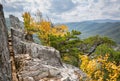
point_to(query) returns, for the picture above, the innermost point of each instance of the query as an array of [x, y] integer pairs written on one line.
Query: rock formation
[[15, 22], [34, 69], [34, 62], [5, 64], [17, 37]]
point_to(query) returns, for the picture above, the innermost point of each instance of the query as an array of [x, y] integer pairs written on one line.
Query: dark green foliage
[[71, 46], [67, 45], [97, 45], [105, 49], [91, 43]]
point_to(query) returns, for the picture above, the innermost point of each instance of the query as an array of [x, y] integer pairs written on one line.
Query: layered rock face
[[17, 37], [17, 34], [5, 65]]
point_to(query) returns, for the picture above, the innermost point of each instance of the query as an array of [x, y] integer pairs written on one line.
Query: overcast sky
[[65, 10]]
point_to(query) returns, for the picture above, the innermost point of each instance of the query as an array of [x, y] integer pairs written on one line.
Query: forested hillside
[[110, 28]]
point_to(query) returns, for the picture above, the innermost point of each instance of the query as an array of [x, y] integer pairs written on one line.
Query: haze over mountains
[[110, 28]]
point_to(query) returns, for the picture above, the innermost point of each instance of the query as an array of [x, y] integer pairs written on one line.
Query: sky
[[65, 10]]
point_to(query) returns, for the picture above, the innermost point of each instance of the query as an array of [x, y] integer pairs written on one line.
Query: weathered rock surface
[[5, 65], [34, 69], [47, 54], [15, 22], [18, 36]]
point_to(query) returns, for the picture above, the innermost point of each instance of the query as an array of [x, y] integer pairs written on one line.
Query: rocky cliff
[[5, 63], [33, 62]]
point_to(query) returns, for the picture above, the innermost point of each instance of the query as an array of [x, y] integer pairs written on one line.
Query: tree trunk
[[94, 48]]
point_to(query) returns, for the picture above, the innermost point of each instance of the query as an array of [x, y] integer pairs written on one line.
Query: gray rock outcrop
[[47, 54], [15, 22], [34, 69], [5, 65], [35, 62], [18, 37]]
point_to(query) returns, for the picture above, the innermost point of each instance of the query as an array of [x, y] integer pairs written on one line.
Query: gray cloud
[[65, 10], [96, 1], [112, 14], [18, 8], [60, 6]]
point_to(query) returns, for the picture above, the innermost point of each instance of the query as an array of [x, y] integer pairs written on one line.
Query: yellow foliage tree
[[44, 31], [28, 22], [42, 28], [100, 69]]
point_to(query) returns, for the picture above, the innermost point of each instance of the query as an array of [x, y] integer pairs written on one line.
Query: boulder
[[47, 55], [37, 70]]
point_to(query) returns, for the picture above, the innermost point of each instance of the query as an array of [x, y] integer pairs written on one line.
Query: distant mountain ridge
[[109, 28]]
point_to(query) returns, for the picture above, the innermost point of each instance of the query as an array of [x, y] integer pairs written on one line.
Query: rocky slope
[[41, 63], [34, 69], [33, 62]]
